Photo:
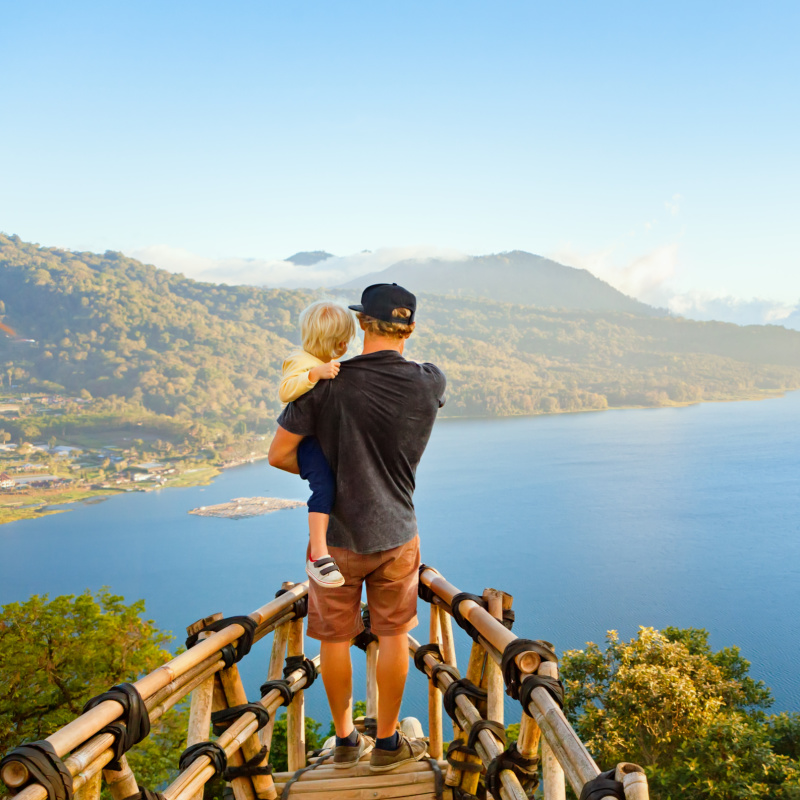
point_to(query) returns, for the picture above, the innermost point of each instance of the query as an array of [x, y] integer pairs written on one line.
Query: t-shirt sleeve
[[300, 417], [439, 382]]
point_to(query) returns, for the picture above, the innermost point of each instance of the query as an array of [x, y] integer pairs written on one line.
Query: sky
[[655, 144]]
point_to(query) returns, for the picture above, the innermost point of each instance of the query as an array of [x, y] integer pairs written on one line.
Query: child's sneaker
[[325, 572]]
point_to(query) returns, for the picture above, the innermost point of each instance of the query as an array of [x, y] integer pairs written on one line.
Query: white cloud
[[266, 272], [673, 205], [754, 311]]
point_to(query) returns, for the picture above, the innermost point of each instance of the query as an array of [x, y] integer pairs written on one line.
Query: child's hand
[[324, 372]]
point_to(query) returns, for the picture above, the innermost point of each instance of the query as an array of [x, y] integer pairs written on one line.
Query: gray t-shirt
[[373, 422]]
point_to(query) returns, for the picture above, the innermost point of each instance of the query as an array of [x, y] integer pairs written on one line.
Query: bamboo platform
[[76, 760]]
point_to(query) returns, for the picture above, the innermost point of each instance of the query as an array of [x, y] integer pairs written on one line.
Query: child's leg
[[315, 469], [318, 531]]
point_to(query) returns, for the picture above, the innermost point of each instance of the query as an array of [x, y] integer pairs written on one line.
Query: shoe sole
[[396, 764], [346, 764], [327, 585]]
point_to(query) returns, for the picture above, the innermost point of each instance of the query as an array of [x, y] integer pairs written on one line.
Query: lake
[[597, 521]]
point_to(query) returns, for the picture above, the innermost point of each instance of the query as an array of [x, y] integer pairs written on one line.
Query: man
[[373, 422]]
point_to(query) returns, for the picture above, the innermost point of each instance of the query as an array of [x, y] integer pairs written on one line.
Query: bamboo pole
[[553, 787], [435, 734], [122, 782], [489, 628], [233, 690], [633, 780], [295, 714]]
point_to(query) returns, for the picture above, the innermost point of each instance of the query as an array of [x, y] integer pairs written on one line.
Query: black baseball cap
[[379, 300]]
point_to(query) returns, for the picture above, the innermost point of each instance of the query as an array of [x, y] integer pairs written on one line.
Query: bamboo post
[[497, 602], [274, 672], [122, 782], [295, 714], [552, 772], [91, 789], [448, 643], [373, 648], [242, 787], [633, 780], [467, 781], [233, 690], [435, 734]]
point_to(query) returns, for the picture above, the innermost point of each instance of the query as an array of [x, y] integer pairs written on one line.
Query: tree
[[692, 717], [57, 654]]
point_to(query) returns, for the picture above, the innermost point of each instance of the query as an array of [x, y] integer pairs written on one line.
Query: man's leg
[[391, 673], [337, 675]]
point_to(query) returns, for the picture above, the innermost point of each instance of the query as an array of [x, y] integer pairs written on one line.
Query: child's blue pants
[[314, 468]]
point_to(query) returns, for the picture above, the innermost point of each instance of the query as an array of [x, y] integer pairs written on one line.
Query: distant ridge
[[514, 277], [308, 258]]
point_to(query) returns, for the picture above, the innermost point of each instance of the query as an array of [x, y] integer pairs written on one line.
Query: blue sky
[[654, 143]]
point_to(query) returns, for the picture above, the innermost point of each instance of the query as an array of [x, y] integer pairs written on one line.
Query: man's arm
[[283, 450]]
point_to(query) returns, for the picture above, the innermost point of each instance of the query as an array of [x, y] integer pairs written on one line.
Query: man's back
[[373, 423]]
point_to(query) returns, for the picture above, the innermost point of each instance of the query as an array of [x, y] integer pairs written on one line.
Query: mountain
[[515, 277], [308, 259], [127, 338]]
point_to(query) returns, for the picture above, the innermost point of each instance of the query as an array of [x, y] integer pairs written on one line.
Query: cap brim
[[359, 307]]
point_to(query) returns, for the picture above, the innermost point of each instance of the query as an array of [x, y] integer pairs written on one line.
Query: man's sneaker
[[325, 572], [409, 750], [347, 756]]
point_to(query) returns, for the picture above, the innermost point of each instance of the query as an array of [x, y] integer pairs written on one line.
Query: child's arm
[[298, 378]]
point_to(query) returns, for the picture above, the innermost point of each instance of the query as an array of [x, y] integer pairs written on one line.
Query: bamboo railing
[[86, 752]]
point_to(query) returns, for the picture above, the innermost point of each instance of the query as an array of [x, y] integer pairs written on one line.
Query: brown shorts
[[392, 577]]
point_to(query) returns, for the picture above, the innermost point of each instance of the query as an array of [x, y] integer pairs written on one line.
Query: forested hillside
[[126, 336]]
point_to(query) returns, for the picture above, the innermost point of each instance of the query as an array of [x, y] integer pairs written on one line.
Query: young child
[[326, 329]]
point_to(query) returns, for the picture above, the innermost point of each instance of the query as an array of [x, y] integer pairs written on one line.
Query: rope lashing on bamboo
[[44, 767], [425, 592], [288, 787], [460, 746], [438, 778], [251, 767], [132, 728], [371, 727], [432, 648], [282, 684], [366, 637], [294, 663], [526, 770], [460, 794], [602, 786], [456, 688], [145, 794], [485, 725], [300, 606], [221, 719], [243, 643], [554, 687], [216, 755], [471, 630], [448, 669], [508, 665]]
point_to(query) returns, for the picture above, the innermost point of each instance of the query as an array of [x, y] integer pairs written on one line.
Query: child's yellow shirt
[[295, 382]]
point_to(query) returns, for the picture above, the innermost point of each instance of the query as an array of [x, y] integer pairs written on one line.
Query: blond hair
[[324, 327], [392, 330]]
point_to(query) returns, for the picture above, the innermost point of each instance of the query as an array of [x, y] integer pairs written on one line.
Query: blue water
[[611, 520]]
